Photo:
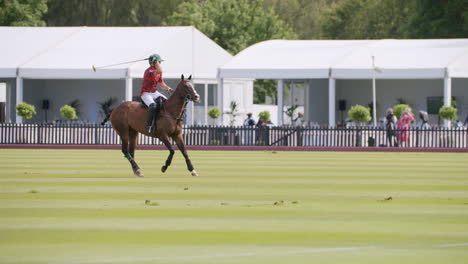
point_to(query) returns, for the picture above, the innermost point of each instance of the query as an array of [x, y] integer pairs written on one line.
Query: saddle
[[156, 113]]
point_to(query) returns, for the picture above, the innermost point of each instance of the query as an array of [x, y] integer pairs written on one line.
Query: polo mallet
[[110, 65]]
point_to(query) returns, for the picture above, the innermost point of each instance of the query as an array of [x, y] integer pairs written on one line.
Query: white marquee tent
[[350, 59], [70, 52]]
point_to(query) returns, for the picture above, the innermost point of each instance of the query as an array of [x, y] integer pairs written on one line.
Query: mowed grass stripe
[[55, 205]]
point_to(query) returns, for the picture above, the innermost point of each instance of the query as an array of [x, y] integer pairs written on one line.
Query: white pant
[[149, 98]]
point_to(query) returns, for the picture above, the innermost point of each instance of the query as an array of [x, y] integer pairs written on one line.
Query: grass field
[[84, 206]]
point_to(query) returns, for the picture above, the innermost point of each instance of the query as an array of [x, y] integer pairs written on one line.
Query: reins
[[186, 99], [184, 107]]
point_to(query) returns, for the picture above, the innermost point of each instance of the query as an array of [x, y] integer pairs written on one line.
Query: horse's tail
[[107, 117]]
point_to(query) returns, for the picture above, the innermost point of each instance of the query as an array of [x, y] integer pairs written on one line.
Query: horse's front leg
[[181, 145], [165, 140]]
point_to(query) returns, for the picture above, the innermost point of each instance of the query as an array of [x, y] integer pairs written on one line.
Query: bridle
[[187, 97]]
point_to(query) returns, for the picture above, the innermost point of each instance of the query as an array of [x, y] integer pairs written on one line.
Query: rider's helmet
[[154, 57]]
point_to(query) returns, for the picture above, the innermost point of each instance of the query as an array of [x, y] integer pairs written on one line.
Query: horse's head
[[186, 90]]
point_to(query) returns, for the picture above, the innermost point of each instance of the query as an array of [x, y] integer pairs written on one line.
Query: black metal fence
[[86, 134]]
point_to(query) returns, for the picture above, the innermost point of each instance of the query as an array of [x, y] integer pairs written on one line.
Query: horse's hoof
[[194, 173], [139, 173], [163, 169]]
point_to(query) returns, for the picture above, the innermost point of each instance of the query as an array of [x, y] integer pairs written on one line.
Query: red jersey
[[150, 81]]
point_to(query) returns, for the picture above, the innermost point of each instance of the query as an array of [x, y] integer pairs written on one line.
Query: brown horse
[[129, 119]]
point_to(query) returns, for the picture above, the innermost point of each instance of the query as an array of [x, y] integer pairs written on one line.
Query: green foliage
[[304, 16], [105, 106], [399, 108], [264, 116], [359, 113], [214, 113], [233, 112], [437, 19], [264, 88], [109, 12], [26, 110], [377, 19], [290, 111], [68, 112], [357, 19], [448, 113], [234, 25], [77, 105], [22, 13]]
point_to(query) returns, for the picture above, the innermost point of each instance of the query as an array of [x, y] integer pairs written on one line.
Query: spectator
[[390, 127], [248, 133], [403, 126], [264, 124], [424, 120], [249, 121], [299, 119]]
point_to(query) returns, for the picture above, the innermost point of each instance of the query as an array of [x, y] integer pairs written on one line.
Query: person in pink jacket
[[403, 126]]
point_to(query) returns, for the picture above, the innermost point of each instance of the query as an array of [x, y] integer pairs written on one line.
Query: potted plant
[[290, 112], [26, 110], [263, 134], [68, 112], [360, 114], [264, 117], [214, 113], [76, 105], [233, 112], [105, 106], [448, 113]]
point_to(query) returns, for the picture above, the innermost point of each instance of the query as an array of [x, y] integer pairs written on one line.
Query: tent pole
[[128, 88], [220, 98], [331, 101], [205, 100], [374, 103], [447, 95], [280, 103], [19, 96]]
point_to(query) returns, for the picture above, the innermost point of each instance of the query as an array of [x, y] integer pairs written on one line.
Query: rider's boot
[[156, 112], [150, 118]]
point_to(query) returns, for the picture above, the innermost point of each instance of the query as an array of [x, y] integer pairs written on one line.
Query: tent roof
[[70, 52], [350, 59]]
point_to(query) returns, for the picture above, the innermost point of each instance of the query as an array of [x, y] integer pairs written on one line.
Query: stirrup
[[149, 129]]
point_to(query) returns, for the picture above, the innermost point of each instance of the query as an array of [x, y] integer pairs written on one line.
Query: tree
[[68, 112], [26, 110], [23, 13], [290, 112], [437, 19], [264, 88], [105, 106], [214, 113], [264, 116], [448, 113], [359, 113], [366, 19], [233, 112], [304, 16], [234, 25], [109, 12]]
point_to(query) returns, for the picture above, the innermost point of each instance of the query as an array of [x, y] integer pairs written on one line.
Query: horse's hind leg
[[125, 150], [133, 138], [181, 145], [168, 145]]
